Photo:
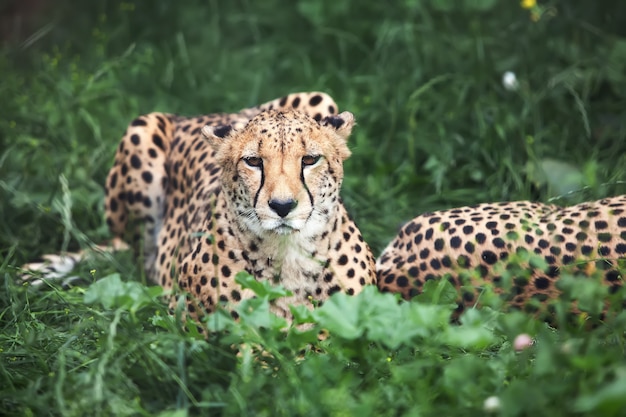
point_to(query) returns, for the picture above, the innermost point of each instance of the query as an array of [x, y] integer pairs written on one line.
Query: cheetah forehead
[[287, 132]]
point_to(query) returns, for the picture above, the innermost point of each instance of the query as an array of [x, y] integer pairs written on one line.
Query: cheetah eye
[[309, 160], [253, 161]]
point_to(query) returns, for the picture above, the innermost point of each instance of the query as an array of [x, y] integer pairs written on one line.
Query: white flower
[[509, 81], [491, 404], [522, 341]]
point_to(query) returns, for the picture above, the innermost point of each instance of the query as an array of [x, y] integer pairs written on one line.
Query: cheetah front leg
[[137, 182]]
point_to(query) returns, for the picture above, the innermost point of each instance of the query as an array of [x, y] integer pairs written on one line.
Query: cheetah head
[[282, 171]]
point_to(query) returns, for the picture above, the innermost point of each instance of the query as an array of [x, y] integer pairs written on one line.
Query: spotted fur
[[473, 245]]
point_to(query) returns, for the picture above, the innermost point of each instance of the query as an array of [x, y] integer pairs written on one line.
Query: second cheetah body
[[474, 245]]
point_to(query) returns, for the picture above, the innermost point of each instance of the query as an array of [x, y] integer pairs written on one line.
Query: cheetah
[[254, 191], [473, 245]]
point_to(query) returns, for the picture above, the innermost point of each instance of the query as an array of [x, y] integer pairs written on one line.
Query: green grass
[[436, 129]]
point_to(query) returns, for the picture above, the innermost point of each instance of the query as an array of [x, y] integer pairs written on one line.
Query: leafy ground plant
[[114, 350], [437, 128]]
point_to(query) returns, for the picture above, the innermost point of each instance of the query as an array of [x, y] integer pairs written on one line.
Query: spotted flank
[[473, 245]]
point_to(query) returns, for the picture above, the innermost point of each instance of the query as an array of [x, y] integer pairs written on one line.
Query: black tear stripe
[[305, 186], [256, 196]]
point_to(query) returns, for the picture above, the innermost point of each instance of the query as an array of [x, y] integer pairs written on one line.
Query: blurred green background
[[436, 126]]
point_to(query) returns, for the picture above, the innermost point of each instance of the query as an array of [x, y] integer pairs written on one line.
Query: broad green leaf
[[430, 317], [260, 288], [340, 316], [255, 312], [469, 337], [439, 291], [112, 292], [302, 314]]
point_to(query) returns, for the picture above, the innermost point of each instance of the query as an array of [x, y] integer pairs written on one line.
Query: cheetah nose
[[283, 207]]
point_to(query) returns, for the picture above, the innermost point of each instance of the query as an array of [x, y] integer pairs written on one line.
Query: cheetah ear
[[216, 134], [342, 123]]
